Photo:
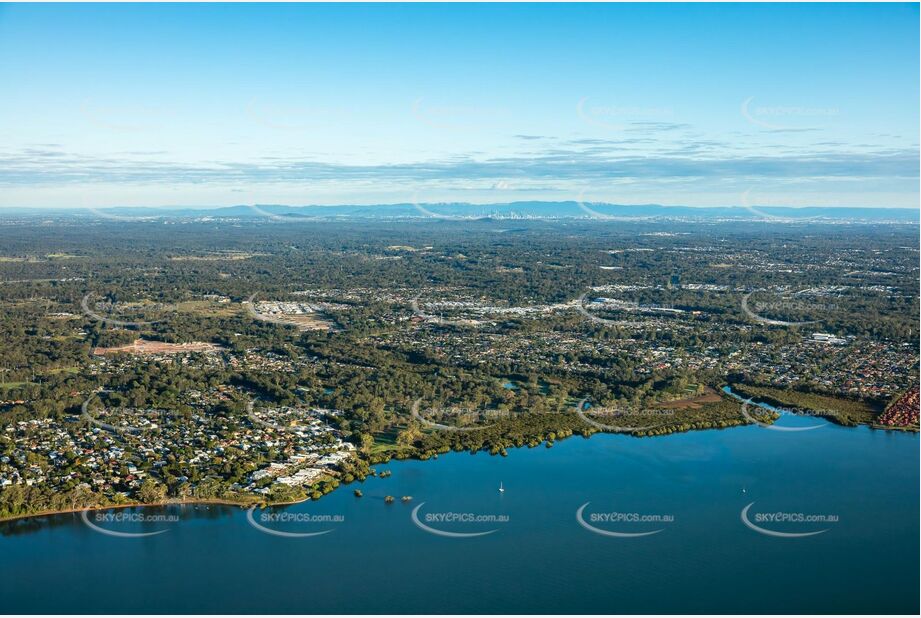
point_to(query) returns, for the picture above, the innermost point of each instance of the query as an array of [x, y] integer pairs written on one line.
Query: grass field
[[209, 308], [8, 385]]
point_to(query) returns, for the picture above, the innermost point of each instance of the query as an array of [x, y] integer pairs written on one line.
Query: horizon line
[[449, 203]]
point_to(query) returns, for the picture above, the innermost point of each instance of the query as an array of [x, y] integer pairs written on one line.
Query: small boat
[[501, 488]]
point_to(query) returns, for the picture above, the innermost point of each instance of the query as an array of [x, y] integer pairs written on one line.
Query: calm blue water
[[541, 560]]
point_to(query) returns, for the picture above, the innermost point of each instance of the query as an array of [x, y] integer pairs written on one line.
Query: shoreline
[[243, 504], [216, 501]]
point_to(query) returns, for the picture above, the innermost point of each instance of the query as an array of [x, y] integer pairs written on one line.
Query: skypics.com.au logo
[[792, 303], [785, 118], [455, 524], [620, 524], [123, 421], [465, 419], [623, 117], [619, 416], [107, 523], [116, 313], [784, 524], [746, 413], [291, 524]]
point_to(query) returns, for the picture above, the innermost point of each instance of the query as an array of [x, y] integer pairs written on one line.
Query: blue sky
[[210, 105]]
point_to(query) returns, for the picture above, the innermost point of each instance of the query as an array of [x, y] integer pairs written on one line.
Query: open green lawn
[[13, 384], [386, 441]]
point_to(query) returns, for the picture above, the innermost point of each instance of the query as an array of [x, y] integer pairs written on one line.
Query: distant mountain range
[[512, 210]]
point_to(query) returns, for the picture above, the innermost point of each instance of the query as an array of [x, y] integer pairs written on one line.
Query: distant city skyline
[[695, 105]]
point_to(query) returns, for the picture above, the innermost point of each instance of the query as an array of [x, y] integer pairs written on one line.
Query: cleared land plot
[[142, 346], [693, 403], [215, 257]]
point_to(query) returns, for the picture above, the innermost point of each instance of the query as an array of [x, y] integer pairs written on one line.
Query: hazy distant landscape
[[513, 210]]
